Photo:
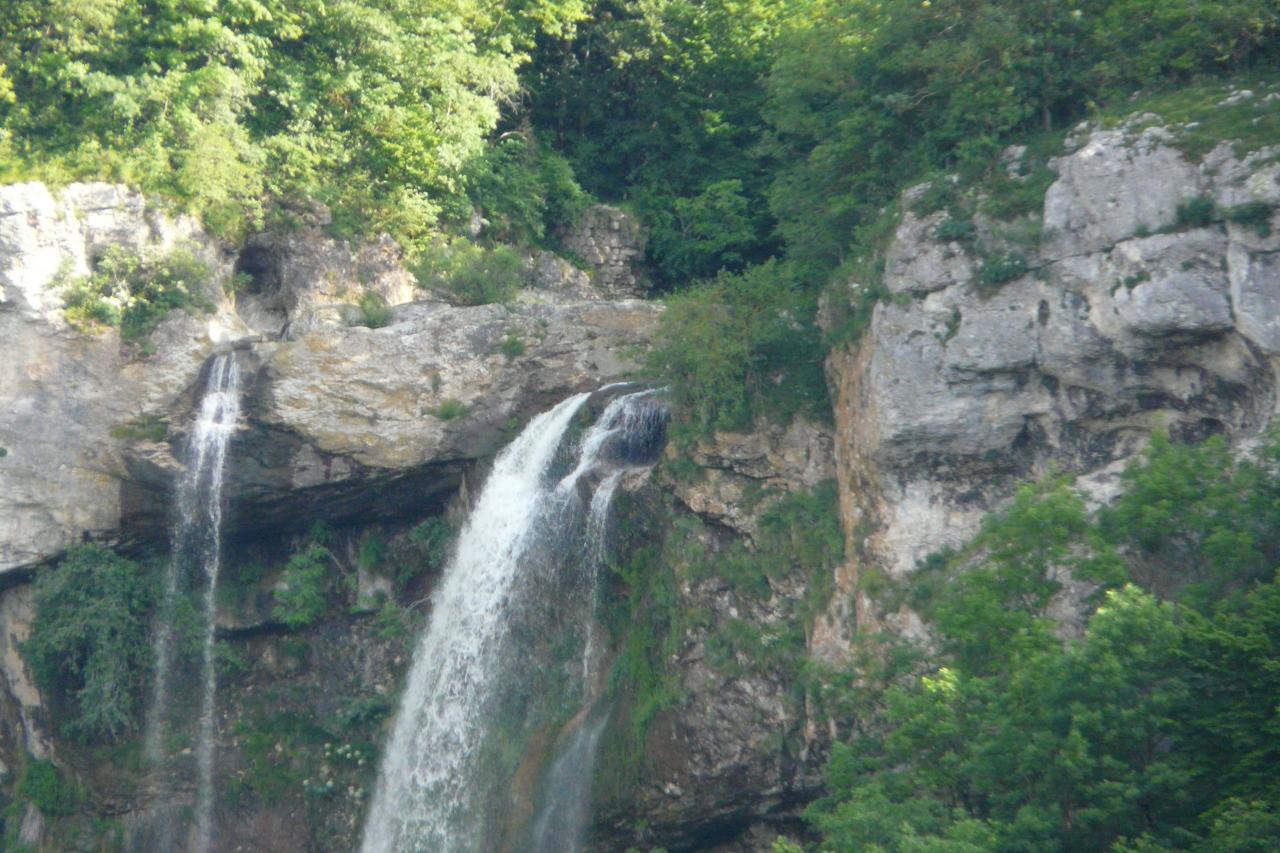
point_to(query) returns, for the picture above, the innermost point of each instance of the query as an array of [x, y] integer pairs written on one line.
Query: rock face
[[1127, 320], [341, 419], [62, 391], [729, 757], [611, 243]]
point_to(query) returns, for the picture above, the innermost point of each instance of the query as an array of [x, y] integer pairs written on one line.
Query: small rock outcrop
[[611, 243]]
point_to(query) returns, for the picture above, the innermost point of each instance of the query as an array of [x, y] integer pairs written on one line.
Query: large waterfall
[[522, 578], [193, 572]]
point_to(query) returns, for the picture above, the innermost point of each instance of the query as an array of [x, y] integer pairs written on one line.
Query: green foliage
[[371, 107], [88, 643], [658, 103], [1152, 731], [432, 537], [364, 711], [1198, 508], [229, 662], [372, 551], [469, 274], [449, 409], [512, 346], [740, 347], [133, 292], [302, 597], [864, 98], [955, 230], [1255, 214], [1001, 269], [1195, 213], [525, 191], [43, 785], [374, 310]]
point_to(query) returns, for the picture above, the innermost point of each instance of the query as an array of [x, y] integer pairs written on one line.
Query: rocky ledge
[[341, 419]]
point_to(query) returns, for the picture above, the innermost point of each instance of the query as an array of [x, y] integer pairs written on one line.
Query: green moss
[[145, 428], [43, 785], [449, 409]]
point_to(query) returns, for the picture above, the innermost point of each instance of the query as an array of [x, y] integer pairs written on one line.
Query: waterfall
[[524, 565], [197, 551]]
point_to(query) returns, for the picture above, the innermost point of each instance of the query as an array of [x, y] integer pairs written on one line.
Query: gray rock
[[1121, 183], [63, 392], [611, 243], [952, 398], [339, 418], [917, 262]]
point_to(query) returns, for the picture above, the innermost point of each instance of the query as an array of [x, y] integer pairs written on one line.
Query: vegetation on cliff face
[[1153, 729], [89, 646], [743, 132]]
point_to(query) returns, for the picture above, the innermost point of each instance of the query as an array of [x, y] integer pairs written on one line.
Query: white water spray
[[430, 788], [197, 547]]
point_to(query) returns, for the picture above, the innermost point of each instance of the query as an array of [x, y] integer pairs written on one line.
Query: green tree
[[89, 640]]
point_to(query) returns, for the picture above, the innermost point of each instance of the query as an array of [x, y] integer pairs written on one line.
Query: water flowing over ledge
[[525, 560]]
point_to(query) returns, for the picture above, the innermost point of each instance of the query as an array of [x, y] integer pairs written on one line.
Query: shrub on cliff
[[1151, 730], [134, 292], [89, 641], [740, 347], [470, 274]]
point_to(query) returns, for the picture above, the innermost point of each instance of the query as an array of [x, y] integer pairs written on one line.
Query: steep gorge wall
[[961, 388]]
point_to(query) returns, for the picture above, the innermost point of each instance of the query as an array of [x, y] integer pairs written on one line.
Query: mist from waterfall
[[523, 576], [195, 563]]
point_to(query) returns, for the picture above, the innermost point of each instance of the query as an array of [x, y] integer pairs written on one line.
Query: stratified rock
[[340, 419]]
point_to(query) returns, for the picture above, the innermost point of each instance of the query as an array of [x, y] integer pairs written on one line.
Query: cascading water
[[523, 571], [197, 551]]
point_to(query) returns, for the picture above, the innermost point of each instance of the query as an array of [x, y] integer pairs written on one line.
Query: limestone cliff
[[1137, 295], [1141, 305]]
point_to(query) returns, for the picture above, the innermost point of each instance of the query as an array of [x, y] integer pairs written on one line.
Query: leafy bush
[[955, 230], [469, 274], [1255, 214], [1001, 269], [135, 293], [43, 785], [374, 310], [372, 108], [89, 643], [741, 346], [525, 191], [302, 598], [1195, 213], [449, 409], [1148, 732], [432, 539]]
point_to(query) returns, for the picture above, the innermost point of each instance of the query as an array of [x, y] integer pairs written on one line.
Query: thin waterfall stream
[[194, 565], [523, 575]]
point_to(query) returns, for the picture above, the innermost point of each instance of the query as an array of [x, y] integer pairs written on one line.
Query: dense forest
[[766, 145]]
